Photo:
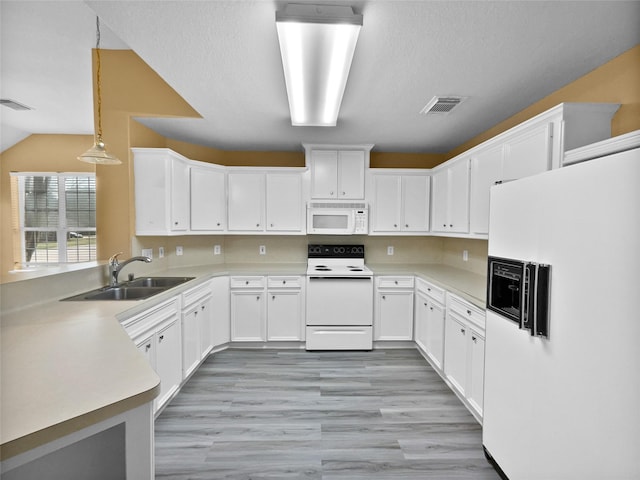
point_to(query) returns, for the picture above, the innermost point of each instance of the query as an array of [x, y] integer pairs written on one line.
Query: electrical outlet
[[160, 252], [179, 251], [217, 250], [465, 255], [262, 250], [147, 252], [390, 250]]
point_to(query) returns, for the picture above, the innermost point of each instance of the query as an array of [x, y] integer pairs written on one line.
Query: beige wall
[[617, 81]]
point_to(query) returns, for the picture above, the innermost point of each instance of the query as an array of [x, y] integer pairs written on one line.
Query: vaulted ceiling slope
[[223, 58]]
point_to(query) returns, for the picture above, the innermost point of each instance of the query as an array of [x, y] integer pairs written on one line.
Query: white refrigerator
[[567, 405]]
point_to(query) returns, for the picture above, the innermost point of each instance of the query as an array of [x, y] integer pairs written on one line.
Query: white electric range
[[339, 298]]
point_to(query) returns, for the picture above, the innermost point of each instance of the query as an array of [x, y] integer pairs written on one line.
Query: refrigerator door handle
[[543, 282]]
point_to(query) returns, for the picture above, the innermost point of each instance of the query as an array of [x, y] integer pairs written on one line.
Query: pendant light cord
[[98, 78]]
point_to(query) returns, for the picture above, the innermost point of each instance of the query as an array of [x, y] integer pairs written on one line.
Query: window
[[56, 215]]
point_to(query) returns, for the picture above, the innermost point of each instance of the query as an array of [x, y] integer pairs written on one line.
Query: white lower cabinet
[[156, 332], [267, 308], [285, 308], [429, 321], [221, 326], [248, 313], [393, 317], [464, 352], [196, 327]]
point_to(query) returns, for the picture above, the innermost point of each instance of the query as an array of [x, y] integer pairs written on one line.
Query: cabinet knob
[[396, 282], [284, 282], [258, 297], [202, 307], [273, 297], [161, 338], [430, 308], [257, 224], [463, 331], [406, 225], [451, 225], [218, 224], [272, 225], [384, 297], [195, 313], [444, 224], [331, 193], [395, 225], [344, 193], [428, 289], [468, 312], [247, 282], [147, 347], [474, 339], [175, 223]]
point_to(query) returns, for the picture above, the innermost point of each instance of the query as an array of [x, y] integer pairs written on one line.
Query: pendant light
[[98, 154]]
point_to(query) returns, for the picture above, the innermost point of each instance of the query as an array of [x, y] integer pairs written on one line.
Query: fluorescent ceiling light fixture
[[317, 44]]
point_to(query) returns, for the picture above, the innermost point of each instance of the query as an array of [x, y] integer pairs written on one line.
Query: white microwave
[[337, 218]]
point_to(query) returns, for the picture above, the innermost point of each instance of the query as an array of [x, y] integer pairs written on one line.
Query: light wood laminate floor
[[291, 414]]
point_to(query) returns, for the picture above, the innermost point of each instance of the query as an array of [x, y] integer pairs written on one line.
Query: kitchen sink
[[162, 282], [137, 289]]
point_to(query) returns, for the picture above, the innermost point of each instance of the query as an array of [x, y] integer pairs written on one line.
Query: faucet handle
[[113, 260]]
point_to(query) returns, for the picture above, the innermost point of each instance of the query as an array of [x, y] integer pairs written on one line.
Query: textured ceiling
[[223, 58]]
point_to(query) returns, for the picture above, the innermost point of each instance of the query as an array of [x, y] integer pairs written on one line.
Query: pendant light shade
[[317, 43], [98, 154]]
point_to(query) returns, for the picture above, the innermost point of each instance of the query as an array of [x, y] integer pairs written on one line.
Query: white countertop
[[67, 365]]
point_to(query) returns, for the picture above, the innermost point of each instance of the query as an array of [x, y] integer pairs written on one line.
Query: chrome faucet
[[115, 266]]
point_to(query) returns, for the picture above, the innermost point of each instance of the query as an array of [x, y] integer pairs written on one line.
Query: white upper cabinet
[[161, 184], [400, 202], [246, 201], [450, 207], [337, 172], [208, 199], [269, 202], [527, 153], [486, 170], [284, 202]]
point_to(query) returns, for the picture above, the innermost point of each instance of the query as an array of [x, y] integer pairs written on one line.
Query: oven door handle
[[336, 277]]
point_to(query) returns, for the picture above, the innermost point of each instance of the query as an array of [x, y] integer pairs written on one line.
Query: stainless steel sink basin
[[163, 282], [137, 289]]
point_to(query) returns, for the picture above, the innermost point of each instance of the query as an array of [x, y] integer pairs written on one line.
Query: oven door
[[339, 221], [339, 301], [507, 288]]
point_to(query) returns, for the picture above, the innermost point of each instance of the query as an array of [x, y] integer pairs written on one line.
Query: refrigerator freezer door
[[567, 406]]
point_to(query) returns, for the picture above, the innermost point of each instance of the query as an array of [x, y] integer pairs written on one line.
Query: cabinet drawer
[[395, 282], [247, 282], [284, 282], [152, 318], [195, 295], [467, 311], [435, 293]]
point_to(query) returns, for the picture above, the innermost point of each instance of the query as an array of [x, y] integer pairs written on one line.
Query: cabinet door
[[205, 328], [420, 323], [435, 333], [284, 316], [458, 197], [168, 361], [284, 202], [190, 341], [148, 349], [439, 213], [394, 316], [455, 353], [220, 305], [248, 317], [486, 170], [324, 174], [179, 196], [386, 203], [415, 203], [475, 384], [208, 199], [351, 174], [246, 201], [528, 153]]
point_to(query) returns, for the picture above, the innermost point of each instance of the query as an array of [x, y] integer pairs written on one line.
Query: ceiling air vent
[[13, 104], [441, 105]]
